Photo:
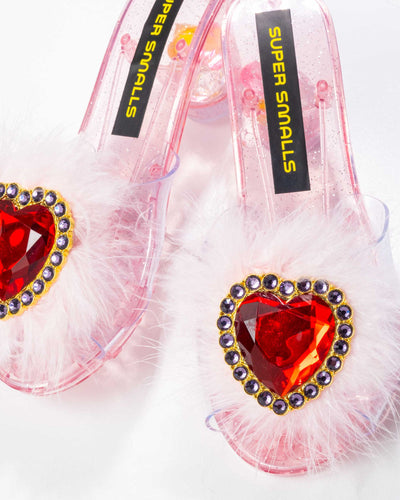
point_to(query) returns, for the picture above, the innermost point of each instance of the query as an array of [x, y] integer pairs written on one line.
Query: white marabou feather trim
[[217, 249], [97, 292]]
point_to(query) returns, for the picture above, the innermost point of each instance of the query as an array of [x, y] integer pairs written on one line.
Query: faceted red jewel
[[284, 343], [26, 239]]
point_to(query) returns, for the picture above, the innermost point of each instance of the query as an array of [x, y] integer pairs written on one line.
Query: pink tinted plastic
[[329, 154], [147, 163], [147, 216], [168, 104], [332, 175], [208, 100]]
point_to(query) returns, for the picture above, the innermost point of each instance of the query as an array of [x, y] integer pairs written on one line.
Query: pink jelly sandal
[[321, 269], [104, 210], [304, 372]]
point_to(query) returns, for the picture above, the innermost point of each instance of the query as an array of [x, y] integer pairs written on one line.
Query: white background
[[136, 429]]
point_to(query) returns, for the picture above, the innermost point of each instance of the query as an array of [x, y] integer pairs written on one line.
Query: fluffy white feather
[[219, 248], [102, 290]]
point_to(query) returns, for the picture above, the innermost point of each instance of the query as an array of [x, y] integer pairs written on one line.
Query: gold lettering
[[274, 33], [147, 57], [144, 62], [141, 78], [286, 132], [133, 97], [150, 46], [285, 154], [284, 120], [131, 112], [279, 67], [282, 97], [282, 100], [274, 44], [284, 110], [157, 28], [166, 8], [278, 55], [284, 143], [289, 166], [160, 19], [281, 79]]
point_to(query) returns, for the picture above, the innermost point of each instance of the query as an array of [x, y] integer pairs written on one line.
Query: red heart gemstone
[[26, 239], [284, 343]]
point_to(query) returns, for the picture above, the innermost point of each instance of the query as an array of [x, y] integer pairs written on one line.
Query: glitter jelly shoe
[[100, 201], [295, 300], [309, 379]]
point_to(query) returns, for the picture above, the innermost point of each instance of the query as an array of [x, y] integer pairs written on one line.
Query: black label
[[282, 101], [144, 67]]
